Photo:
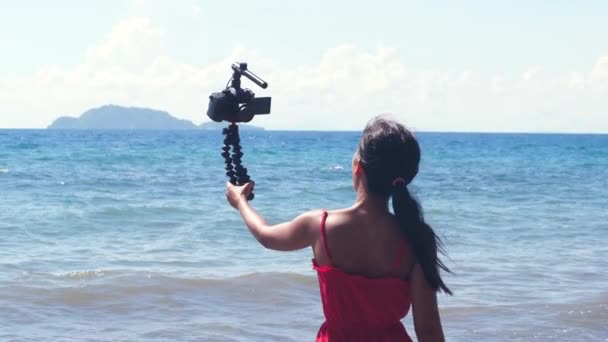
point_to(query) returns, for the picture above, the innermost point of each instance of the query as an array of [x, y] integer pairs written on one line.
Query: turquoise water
[[126, 235]]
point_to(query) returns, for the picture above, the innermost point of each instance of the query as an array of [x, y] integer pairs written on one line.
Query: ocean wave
[[126, 274], [26, 146], [127, 211], [257, 304], [104, 289], [4, 170], [125, 278], [333, 168]]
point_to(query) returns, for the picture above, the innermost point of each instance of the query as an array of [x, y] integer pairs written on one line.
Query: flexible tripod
[[237, 173]]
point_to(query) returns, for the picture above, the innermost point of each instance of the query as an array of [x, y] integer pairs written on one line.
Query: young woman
[[371, 264]]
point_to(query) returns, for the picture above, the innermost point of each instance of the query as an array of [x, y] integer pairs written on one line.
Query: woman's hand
[[235, 194]]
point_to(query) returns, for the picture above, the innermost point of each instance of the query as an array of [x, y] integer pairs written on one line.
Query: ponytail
[[421, 237], [390, 156]]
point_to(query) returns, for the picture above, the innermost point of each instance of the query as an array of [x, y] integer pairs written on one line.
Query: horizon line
[[323, 131]]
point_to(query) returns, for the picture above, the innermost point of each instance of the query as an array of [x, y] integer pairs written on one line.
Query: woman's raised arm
[[299, 233]]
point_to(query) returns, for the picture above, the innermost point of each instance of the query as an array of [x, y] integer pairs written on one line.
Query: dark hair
[[390, 154]]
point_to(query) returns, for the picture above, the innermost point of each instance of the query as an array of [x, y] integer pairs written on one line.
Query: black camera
[[235, 104]]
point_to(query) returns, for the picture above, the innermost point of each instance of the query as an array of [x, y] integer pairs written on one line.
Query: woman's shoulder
[[315, 216], [320, 211]]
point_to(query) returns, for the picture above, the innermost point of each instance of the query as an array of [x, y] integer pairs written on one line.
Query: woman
[[372, 265]]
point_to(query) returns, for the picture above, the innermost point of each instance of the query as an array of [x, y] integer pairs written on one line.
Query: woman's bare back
[[364, 243]]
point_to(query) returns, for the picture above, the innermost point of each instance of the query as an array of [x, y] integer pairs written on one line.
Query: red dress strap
[[400, 255], [323, 219]]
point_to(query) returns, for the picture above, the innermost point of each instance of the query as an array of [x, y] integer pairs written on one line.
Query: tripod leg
[[237, 155], [226, 154]]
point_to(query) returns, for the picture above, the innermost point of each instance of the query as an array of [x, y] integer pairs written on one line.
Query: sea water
[[127, 236]]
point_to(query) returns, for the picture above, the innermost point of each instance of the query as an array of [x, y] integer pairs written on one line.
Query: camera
[[235, 104]]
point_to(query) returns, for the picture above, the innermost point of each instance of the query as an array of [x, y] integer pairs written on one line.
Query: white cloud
[[601, 67], [132, 44], [341, 91], [196, 10]]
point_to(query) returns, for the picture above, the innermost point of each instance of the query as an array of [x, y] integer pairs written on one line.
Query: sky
[[469, 65]]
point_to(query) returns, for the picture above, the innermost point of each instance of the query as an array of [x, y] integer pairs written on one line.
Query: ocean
[[127, 236]]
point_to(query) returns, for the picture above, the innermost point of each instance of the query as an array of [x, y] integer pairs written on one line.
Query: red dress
[[358, 308]]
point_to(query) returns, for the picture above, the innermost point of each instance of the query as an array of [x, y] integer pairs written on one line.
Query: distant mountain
[[118, 117]]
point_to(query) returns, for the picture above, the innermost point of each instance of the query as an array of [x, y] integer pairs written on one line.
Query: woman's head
[[387, 152], [386, 162]]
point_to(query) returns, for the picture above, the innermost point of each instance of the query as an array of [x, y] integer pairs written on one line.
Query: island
[[133, 118]]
